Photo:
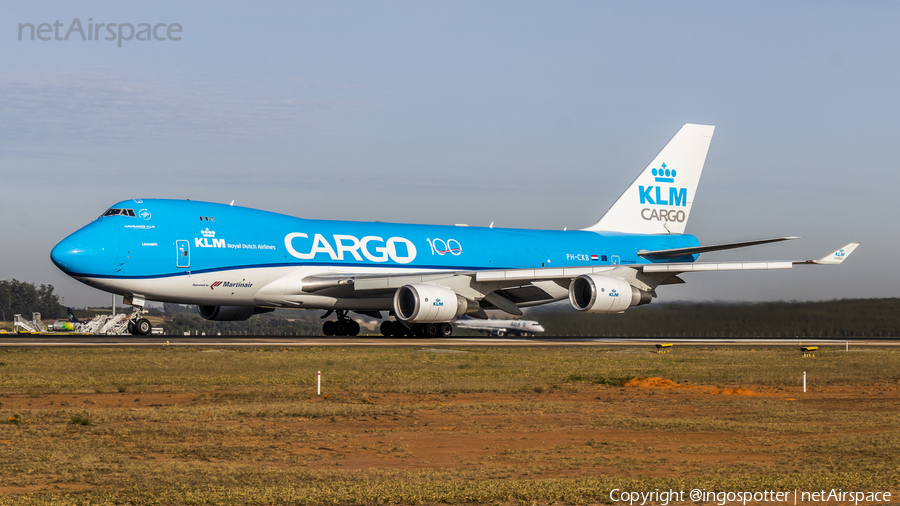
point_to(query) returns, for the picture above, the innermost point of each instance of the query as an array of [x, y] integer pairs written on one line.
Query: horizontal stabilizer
[[680, 252]]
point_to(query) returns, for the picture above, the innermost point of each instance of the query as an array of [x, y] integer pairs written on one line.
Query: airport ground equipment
[[26, 326], [663, 348], [809, 351], [120, 324], [38, 324]]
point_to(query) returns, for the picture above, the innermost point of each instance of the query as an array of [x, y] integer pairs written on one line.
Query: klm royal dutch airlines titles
[[235, 262]]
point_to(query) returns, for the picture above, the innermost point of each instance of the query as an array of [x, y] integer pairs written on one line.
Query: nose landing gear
[[137, 324]]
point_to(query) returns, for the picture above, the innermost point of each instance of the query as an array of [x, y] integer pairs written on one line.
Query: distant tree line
[[837, 318], [19, 297], [181, 319]]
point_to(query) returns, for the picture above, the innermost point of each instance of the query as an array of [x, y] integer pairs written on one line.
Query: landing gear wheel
[[431, 330], [344, 326], [387, 328], [130, 328], [143, 327], [446, 330]]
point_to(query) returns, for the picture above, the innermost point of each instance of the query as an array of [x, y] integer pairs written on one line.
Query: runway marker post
[[804, 381], [319, 384]]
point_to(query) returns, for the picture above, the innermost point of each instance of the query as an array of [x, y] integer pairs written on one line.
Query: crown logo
[[664, 175], [208, 232]]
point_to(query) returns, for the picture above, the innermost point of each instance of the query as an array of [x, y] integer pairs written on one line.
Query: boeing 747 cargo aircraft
[[235, 262]]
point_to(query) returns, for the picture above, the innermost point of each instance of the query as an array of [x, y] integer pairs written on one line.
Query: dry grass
[[402, 426]]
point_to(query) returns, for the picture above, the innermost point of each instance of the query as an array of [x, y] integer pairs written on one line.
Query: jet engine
[[231, 313], [430, 304], [595, 293]]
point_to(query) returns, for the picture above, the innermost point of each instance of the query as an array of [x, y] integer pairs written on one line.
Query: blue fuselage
[[152, 239]]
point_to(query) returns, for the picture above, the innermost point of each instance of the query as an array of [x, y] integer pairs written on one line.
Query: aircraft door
[[183, 249], [529, 251]]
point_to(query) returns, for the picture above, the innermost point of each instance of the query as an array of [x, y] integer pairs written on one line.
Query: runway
[[62, 340]]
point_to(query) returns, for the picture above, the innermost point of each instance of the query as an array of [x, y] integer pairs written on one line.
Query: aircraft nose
[[63, 255], [85, 252]]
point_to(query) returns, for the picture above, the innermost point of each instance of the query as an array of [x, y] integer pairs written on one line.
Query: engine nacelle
[[430, 304], [231, 313], [595, 293]]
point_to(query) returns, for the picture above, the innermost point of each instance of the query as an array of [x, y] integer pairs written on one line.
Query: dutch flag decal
[[595, 258]]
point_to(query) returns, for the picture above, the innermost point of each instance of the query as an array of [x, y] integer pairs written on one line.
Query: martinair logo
[[208, 240], [229, 284], [656, 195]]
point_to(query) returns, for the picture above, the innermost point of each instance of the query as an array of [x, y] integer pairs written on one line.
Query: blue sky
[[525, 114]]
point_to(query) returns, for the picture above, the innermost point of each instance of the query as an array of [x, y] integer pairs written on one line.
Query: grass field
[[176, 425]]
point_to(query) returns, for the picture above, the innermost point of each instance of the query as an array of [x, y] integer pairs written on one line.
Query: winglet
[[838, 256]]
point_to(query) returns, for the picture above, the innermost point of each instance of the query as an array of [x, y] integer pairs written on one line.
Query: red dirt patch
[[667, 384]]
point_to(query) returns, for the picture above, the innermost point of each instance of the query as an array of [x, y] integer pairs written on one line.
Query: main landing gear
[[344, 326], [391, 328]]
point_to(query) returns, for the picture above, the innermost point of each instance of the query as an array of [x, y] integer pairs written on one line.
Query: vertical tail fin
[[659, 200]]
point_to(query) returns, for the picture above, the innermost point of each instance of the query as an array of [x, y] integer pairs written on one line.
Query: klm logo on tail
[[656, 196], [659, 201]]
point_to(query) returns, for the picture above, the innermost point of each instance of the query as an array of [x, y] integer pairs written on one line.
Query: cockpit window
[[119, 212]]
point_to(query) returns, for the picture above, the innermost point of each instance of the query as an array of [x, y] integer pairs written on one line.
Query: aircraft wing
[[510, 289], [569, 272], [680, 252]]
